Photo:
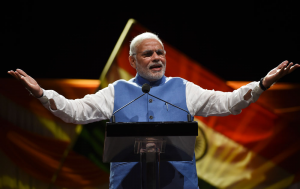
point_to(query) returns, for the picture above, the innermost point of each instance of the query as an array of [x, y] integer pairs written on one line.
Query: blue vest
[[148, 109]]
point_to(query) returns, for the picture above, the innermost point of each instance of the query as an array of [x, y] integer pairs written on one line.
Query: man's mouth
[[156, 67]]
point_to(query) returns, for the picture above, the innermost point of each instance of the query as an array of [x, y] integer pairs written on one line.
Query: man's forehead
[[149, 44]]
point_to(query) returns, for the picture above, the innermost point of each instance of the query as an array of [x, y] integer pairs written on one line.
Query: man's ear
[[132, 61]]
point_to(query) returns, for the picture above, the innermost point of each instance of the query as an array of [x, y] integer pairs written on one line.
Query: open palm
[[278, 72], [29, 83]]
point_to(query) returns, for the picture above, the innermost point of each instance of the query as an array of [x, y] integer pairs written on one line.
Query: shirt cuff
[[257, 90], [43, 99]]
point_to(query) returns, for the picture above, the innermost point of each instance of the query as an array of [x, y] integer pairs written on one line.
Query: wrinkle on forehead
[[149, 44]]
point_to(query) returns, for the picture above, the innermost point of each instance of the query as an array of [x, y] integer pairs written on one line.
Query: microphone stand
[[146, 89], [188, 116], [113, 120], [150, 148]]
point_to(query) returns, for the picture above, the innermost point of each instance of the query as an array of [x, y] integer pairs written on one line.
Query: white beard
[[148, 74]]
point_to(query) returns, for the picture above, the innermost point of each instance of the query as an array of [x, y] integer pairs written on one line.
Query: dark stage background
[[74, 40], [237, 42]]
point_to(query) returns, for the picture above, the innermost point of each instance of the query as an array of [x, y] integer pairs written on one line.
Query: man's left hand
[[281, 70]]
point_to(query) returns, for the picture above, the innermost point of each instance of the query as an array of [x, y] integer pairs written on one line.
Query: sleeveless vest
[[149, 109]]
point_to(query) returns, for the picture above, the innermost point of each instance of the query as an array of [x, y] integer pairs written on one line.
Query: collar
[[140, 81]]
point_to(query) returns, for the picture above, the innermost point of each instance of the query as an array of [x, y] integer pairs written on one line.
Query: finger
[[22, 72], [288, 66], [23, 80], [280, 73], [21, 77], [286, 70], [12, 73], [282, 70], [283, 64], [294, 68], [9, 72]]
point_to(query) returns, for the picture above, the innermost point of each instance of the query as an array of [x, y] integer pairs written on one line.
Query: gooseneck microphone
[[146, 89]]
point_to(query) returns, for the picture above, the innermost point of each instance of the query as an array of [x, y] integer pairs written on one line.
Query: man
[[147, 56]]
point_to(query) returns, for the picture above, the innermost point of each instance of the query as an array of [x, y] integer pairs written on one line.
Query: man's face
[[150, 61]]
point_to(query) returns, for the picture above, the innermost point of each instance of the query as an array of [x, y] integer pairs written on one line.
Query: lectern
[[149, 143]]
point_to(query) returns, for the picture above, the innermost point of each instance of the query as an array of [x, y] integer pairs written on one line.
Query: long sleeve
[[201, 102], [91, 108]]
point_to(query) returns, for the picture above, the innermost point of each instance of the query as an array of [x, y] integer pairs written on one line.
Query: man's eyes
[[159, 52], [150, 53]]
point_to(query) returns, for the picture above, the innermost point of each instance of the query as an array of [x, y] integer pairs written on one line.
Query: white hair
[[139, 38]]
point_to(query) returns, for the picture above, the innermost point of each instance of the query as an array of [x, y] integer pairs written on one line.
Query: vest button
[[151, 117], [150, 100]]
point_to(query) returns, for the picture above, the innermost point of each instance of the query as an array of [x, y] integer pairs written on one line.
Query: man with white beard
[[147, 56]]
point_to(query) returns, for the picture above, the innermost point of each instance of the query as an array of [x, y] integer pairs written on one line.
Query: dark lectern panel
[[120, 138], [152, 129], [121, 149]]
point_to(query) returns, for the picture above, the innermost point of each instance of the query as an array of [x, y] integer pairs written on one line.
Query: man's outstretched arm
[[203, 102], [91, 108], [274, 75], [30, 84], [278, 72]]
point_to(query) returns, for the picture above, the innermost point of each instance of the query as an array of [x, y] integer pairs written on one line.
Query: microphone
[[146, 89]]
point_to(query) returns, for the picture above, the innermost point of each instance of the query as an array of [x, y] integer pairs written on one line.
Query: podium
[[149, 143]]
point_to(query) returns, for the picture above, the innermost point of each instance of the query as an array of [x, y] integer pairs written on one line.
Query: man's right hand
[[29, 83]]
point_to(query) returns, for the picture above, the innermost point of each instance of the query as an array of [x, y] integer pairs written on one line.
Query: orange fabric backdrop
[[38, 155]]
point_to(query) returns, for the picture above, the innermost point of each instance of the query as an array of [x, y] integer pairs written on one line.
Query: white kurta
[[200, 102]]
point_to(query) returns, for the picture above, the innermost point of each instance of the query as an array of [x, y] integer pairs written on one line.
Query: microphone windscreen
[[146, 88]]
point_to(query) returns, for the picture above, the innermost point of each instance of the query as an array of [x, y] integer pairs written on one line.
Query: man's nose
[[155, 57]]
